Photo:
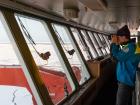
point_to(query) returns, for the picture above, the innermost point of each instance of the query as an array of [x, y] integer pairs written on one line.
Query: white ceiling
[[118, 12]]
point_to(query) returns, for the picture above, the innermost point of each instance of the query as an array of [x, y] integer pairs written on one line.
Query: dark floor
[[107, 95]]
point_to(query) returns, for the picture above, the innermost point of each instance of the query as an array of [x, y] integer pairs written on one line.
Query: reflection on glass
[[62, 34], [107, 41], [43, 52], [104, 43], [100, 44], [95, 43], [101, 41], [82, 46], [89, 43], [14, 88]]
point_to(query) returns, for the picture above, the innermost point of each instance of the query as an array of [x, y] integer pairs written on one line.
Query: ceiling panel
[[118, 11]]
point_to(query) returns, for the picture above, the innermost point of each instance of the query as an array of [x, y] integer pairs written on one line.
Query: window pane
[[104, 43], [82, 46], [55, 77], [108, 46], [89, 44], [100, 44], [95, 43], [107, 41], [14, 88], [62, 34]]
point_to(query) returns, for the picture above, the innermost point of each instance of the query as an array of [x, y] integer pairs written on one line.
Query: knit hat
[[124, 31]]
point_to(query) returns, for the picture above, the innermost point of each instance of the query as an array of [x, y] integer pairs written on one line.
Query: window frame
[[45, 18]]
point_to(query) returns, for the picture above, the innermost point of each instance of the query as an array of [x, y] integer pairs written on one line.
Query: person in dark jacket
[[123, 49]]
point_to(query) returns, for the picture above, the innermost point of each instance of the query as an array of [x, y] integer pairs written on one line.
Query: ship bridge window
[[51, 69], [64, 38], [83, 47], [107, 41], [95, 43], [100, 44], [89, 43], [14, 87], [105, 46]]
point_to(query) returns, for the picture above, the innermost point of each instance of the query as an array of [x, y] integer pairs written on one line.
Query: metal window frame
[[106, 42], [101, 36], [83, 32], [97, 42], [77, 43], [8, 6], [93, 39], [56, 49], [69, 33], [59, 48], [78, 49], [30, 69], [69, 73], [84, 42], [91, 43], [98, 35]]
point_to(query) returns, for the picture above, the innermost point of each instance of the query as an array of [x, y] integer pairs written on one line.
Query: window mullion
[[63, 58], [29, 67]]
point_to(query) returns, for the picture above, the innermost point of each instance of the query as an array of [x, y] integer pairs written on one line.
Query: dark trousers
[[124, 94]]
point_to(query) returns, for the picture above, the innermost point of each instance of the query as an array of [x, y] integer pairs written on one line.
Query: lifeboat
[[55, 81]]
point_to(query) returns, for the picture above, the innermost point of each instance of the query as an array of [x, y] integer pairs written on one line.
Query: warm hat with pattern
[[124, 31]]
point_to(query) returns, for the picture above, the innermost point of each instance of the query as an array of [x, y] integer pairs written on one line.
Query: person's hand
[[114, 39]]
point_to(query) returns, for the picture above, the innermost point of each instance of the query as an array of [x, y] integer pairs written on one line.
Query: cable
[[70, 52], [44, 56]]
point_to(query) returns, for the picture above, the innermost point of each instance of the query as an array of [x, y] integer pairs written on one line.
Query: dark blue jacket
[[127, 62]]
